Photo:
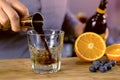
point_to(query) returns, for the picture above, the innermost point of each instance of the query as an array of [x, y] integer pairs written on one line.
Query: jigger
[[36, 21], [32, 21]]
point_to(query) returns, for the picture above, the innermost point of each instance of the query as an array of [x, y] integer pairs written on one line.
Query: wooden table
[[71, 69]]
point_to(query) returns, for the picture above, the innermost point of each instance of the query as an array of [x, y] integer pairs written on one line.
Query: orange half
[[90, 46], [113, 52]]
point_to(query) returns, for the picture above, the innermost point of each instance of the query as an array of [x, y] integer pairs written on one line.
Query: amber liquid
[[37, 25], [39, 30]]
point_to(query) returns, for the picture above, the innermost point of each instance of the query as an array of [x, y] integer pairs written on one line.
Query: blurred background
[[88, 7]]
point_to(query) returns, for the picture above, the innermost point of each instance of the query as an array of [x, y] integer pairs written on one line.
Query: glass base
[[46, 69]]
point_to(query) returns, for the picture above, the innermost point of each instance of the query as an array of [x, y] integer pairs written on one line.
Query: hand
[[10, 13], [106, 34], [79, 29]]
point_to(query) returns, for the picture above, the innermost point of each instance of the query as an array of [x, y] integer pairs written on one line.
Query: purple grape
[[112, 62], [92, 69], [109, 66], [103, 62], [96, 62], [102, 68]]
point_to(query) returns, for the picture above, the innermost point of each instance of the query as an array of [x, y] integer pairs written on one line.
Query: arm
[[11, 11], [77, 25], [72, 22]]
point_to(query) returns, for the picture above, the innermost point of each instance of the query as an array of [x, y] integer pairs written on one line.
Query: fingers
[[12, 15], [19, 7], [11, 12], [4, 20], [79, 28], [106, 34]]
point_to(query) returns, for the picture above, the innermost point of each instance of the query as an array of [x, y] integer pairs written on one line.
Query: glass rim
[[30, 32]]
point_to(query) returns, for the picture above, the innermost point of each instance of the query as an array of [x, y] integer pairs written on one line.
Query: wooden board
[[71, 69]]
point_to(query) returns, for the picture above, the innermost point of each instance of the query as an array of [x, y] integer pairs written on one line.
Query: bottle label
[[101, 11]]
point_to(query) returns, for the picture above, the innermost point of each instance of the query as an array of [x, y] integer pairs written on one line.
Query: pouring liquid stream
[[36, 23]]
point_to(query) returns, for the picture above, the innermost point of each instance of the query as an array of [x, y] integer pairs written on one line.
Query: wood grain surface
[[71, 69]]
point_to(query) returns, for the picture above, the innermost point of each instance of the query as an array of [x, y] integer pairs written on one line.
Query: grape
[[103, 62], [96, 66], [109, 66], [92, 69], [112, 62], [96, 62], [102, 68], [102, 65]]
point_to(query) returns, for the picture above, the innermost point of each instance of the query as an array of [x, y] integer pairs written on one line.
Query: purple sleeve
[[70, 19], [68, 26]]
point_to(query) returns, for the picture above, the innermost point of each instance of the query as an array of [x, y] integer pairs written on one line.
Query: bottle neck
[[101, 11], [102, 7]]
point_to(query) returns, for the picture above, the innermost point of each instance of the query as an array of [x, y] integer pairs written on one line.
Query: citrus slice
[[90, 46], [113, 52]]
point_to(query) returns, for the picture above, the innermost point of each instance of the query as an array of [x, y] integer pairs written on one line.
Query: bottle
[[97, 23]]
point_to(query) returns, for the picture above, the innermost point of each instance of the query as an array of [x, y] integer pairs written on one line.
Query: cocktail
[[45, 60]]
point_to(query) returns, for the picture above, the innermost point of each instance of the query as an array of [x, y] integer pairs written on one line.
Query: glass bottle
[[97, 23]]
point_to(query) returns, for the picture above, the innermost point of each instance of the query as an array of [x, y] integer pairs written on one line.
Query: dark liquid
[[38, 28], [36, 23], [48, 60]]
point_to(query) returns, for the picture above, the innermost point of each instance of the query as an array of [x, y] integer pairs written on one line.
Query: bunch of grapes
[[102, 65]]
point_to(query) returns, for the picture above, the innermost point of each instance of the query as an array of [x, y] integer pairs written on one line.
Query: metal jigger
[[36, 22], [33, 20]]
